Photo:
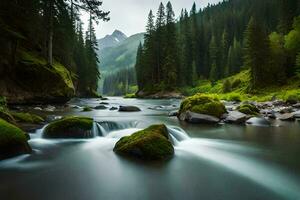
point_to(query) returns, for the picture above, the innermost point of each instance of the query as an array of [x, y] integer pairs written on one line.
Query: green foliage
[[2, 102], [27, 118], [152, 144], [233, 97], [70, 127], [203, 104], [248, 109], [292, 97], [12, 141], [130, 96], [227, 86]]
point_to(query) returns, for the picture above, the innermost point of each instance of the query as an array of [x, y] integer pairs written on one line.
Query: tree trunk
[[50, 32]]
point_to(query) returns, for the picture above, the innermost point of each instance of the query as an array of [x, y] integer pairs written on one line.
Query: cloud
[[130, 16]]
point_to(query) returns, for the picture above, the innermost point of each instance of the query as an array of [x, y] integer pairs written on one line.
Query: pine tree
[[170, 66], [257, 54], [213, 52], [139, 67]]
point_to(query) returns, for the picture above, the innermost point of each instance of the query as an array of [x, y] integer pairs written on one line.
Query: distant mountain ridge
[[121, 55], [112, 40]]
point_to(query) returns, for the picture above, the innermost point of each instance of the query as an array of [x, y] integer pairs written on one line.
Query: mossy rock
[[13, 141], [87, 109], [4, 114], [151, 143], [70, 127], [203, 104], [248, 109], [27, 118]]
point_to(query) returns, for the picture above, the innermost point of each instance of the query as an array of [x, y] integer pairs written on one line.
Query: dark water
[[214, 162]]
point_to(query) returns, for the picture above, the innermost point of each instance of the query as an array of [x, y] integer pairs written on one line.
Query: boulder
[[104, 98], [151, 143], [203, 104], [297, 105], [296, 114], [100, 107], [258, 121], [287, 117], [248, 109], [196, 118], [87, 109], [129, 109], [173, 113], [236, 117], [13, 141], [113, 108], [70, 127], [27, 118]]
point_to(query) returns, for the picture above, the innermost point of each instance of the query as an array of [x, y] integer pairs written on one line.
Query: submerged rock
[[13, 141], [151, 143], [196, 118], [70, 127], [203, 104], [87, 109], [173, 113], [129, 109], [258, 121], [104, 103], [287, 117], [236, 117], [100, 107], [113, 108]]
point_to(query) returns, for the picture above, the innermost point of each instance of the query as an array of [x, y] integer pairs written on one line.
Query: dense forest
[[44, 50], [219, 41], [120, 82]]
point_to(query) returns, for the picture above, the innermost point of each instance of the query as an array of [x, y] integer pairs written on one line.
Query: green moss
[[57, 75], [87, 109], [70, 127], [13, 141], [4, 114], [2, 102], [248, 109], [233, 97], [150, 144], [203, 104], [129, 96], [27, 118]]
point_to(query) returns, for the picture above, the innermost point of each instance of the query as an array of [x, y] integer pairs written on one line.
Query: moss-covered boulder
[[27, 118], [203, 104], [70, 127], [34, 81], [13, 141], [87, 109], [248, 109], [4, 114], [151, 143]]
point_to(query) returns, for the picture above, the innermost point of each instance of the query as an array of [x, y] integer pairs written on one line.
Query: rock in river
[[70, 127], [129, 109], [151, 143], [196, 118], [258, 121], [236, 117], [13, 141]]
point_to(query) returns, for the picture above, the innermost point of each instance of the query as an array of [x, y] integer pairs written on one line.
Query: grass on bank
[[239, 89]]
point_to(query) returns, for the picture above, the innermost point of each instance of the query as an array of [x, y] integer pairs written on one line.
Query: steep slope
[[112, 40]]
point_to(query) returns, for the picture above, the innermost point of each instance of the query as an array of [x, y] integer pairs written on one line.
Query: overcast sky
[[130, 16]]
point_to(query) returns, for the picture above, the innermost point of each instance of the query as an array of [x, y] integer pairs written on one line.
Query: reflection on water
[[210, 162]]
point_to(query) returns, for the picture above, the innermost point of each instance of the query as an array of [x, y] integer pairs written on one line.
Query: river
[[216, 162]]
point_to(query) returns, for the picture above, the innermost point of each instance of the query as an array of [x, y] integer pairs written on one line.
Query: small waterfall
[[177, 134], [103, 128]]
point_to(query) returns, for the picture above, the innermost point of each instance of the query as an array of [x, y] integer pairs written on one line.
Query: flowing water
[[211, 161]]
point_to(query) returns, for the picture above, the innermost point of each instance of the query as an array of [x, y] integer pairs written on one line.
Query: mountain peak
[[112, 40]]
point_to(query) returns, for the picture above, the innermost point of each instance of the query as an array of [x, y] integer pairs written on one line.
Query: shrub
[[248, 109], [236, 83], [234, 97], [227, 86]]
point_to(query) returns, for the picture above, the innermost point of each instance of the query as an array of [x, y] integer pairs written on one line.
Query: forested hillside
[[219, 41], [117, 66], [44, 54]]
